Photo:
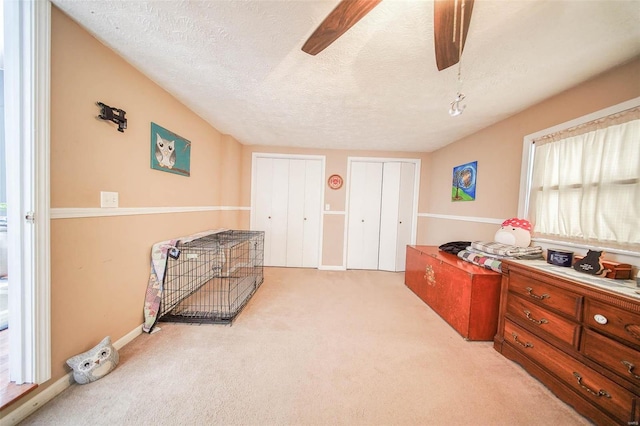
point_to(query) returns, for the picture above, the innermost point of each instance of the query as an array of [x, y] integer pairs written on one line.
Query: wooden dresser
[[464, 295], [579, 336]]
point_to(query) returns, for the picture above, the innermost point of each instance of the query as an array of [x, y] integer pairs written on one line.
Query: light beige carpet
[[313, 348]]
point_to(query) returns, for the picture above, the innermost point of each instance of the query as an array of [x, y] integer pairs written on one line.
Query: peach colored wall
[[336, 163], [100, 266], [498, 150], [230, 172]]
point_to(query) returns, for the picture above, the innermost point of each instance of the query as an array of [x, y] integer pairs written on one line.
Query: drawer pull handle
[[630, 368], [539, 322], [600, 393], [600, 319], [524, 345], [544, 296]]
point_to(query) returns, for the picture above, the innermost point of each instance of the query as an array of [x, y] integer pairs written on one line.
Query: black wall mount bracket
[[113, 114]]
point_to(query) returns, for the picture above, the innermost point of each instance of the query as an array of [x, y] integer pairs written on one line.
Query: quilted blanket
[[507, 250], [159, 255], [480, 260]]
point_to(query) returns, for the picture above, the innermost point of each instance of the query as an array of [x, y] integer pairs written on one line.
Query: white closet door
[[363, 235], [295, 212], [279, 212], [389, 219], [405, 213], [313, 186], [262, 210]]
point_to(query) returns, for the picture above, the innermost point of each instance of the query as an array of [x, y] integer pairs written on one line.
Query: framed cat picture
[[170, 152]]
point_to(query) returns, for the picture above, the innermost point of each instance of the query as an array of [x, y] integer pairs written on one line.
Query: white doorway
[[26, 97], [382, 201]]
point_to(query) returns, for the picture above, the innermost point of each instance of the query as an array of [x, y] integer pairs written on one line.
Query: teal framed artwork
[[464, 182], [170, 152]]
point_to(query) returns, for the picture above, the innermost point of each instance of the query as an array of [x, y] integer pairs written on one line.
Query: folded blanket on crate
[[481, 260], [506, 250], [159, 255]]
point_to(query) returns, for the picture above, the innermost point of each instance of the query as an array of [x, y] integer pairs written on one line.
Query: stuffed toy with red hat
[[514, 232]]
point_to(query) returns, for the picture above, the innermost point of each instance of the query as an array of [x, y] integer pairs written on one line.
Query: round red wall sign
[[335, 182]]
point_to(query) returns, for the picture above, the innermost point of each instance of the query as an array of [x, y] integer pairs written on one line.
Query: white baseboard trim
[[463, 218], [127, 338], [332, 268], [31, 405], [80, 212]]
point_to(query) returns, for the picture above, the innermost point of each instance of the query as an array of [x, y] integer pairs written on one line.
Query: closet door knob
[[269, 217], [362, 220]]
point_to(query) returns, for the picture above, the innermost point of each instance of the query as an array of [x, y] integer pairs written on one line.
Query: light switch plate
[[108, 199]]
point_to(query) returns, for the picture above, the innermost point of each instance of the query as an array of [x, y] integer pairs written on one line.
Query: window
[[584, 182]]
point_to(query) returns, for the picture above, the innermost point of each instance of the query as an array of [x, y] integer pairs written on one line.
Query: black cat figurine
[[591, 263]]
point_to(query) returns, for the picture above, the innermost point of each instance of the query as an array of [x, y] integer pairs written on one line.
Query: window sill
[[11, 392]]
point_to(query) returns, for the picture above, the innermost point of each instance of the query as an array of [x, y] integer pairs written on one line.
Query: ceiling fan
[[451, 19]]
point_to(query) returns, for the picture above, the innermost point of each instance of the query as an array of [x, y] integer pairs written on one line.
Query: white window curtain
[[585, 184]]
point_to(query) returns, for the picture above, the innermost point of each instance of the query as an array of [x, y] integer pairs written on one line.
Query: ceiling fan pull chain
[[461, 30], [460, 43], [456, 109], [455, 19]]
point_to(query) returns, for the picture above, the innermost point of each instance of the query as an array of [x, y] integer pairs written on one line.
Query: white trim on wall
[[80, 212], [463, 218], [334, 212], [332, 268]]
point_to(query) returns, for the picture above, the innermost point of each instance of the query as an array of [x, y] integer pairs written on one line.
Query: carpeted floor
[[313, 348]]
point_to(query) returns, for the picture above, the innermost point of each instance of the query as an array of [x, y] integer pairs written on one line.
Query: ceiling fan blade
[[343, 17], [444, 11]]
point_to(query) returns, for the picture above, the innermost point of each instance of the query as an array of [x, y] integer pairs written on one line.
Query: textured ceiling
[[238, 64]]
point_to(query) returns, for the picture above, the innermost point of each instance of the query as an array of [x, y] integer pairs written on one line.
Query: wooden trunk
[[464, 295]]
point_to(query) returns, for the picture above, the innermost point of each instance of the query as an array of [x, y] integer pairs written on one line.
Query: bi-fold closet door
[[287, 205], [380, 214]]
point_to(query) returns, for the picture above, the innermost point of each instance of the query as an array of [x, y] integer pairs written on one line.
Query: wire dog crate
[[210, 279]]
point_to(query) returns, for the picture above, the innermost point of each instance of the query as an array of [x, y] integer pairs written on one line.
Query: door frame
[[416, 195], [254, 165], [27, 91]]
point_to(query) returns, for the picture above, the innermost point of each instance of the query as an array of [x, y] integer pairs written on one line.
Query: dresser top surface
[[624, 287]]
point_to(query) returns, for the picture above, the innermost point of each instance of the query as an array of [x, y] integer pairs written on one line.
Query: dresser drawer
[[617, 357], [590, 384], [546, 295], [613, 321], [538, 318]]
